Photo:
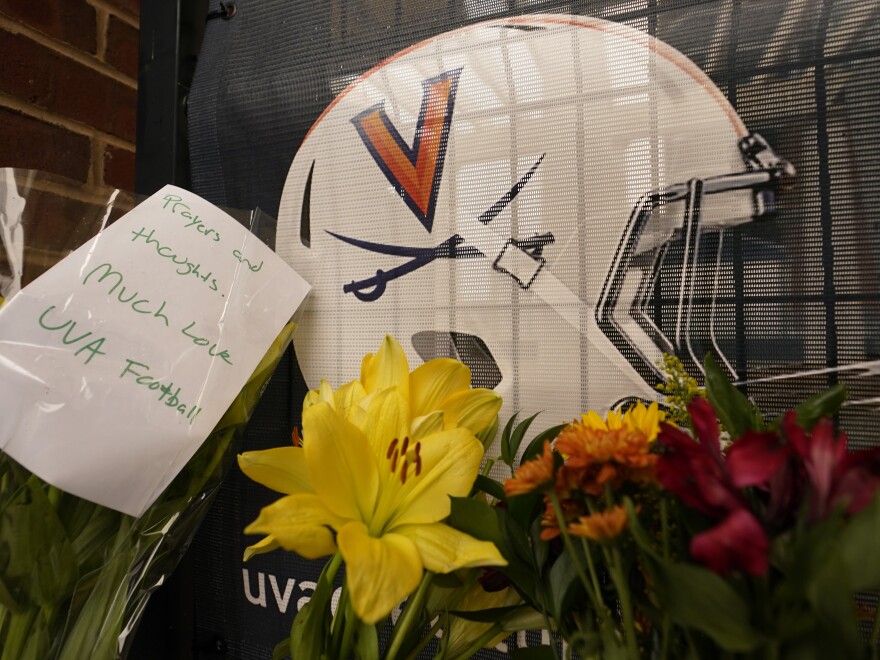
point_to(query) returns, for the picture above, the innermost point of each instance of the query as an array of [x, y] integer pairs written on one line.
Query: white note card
[[116, 364]]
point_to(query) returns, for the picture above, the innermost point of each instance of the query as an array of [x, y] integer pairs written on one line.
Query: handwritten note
[[116, 364]]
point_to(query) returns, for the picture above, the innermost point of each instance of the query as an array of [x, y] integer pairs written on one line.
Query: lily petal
[[267, 544], [426, 425], [444, 549], [450, 462], [472, 409], [434, 382], [300, 523], [338, 451], [283, 469], [380, 572], [388, 368], [387, 417], [347, 397]]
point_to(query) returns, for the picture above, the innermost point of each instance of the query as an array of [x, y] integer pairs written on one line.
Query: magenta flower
[[737, 543], [703, 478], [836, 478]]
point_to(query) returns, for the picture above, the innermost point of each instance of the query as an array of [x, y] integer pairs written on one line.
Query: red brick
[[119, 168], [46, 79], [54, 225], [33, 144], [122, 47], [74, 23]]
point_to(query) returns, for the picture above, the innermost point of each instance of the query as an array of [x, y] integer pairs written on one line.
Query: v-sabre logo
[[415, 171]]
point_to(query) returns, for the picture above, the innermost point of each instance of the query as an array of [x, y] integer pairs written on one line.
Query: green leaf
[[735, 411], [505, 440], [536, 446], [830, 593], [367, 643], [310, 630], [525, 508], [39, 564], [822, 405], [565, 585], [518, 434], [698, 598], [522, 618], [695, 597], [858, 547], [477, 518], [489, 486], [281, 650]]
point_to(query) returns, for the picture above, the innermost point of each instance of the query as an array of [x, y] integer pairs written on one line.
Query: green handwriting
[[167, 394], [134, 300], [184, 265], [178, 207], [202, 341], [69, 338], [254, 268]]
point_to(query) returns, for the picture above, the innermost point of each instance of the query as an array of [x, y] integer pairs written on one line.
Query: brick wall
[[68, 88]]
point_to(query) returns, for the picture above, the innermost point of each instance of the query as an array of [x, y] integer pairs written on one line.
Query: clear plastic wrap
[[75, 576]]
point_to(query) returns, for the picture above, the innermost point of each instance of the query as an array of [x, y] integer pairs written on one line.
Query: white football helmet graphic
[[505, 193]]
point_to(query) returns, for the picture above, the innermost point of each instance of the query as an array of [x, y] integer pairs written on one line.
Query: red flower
[[836, 478], [738, 543], [704, 479]]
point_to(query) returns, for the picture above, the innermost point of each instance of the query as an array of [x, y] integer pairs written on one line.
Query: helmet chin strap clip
[[522, 260]]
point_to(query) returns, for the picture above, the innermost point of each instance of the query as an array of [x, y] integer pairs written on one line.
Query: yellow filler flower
[[380, 458], [637, 418]]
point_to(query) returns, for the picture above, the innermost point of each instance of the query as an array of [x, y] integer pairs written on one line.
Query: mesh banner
[[555, 193]]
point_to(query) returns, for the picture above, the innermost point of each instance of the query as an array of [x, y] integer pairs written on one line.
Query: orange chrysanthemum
[[601, 526], [598, 456], [571, 511], [532, 475]]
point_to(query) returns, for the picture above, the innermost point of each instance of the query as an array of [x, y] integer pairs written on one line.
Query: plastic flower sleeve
[[75, 576]]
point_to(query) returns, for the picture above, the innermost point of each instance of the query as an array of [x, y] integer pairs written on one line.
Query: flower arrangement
[[699, 530], [638, 538]]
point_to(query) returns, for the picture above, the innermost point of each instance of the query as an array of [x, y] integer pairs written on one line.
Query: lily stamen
[[408, 454], [392, 454]]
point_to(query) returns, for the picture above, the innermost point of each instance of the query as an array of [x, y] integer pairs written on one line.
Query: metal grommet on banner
[[227, 10]]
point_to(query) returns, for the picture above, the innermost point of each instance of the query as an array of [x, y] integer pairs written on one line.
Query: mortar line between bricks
[[119, 12], [86, 59], [103, 19], [88, 193], [14, 103]]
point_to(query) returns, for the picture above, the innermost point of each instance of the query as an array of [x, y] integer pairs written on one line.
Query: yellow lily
[[380, 458]]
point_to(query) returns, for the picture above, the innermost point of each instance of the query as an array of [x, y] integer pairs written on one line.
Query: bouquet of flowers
[[75, 576], [726, 535]]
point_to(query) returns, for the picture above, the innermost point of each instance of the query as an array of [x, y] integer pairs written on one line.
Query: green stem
[[482, 640], [17, 635], [625, 603], [549, 629], [566, 540], [339, 624], [349, 628], [597, 601], [666, 629], [426, 639], [411, 612]]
